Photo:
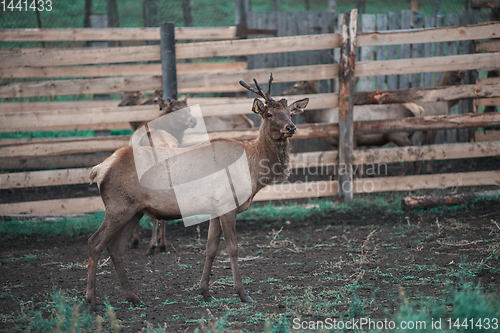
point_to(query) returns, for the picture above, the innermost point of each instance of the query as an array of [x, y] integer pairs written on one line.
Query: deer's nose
[[193, 121], [291, 129]]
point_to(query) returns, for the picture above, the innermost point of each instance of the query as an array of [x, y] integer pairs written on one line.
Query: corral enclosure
[[308, 56], [211, 61]]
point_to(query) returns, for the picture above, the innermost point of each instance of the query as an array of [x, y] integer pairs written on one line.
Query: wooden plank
[[80, 56], [214, 81], [488, 80], [58, 206], [487, 101], [428, 152], [427, 94], [346, 103], [488, 46], [405, 50], [114, 34], [116, 70], [114, 117], [188, 82], [381, 26], [257, 46], [417, 50], [285, 191], [451, 135], [367, 52], [425, 182], [468, 120], [488, 135], [54, 147], [392, 80], [485, 4], [80, 87], [53, 162], [459, 33], [44, 178]]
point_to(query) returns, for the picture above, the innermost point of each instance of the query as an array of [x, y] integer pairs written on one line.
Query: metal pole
[[168, 63]]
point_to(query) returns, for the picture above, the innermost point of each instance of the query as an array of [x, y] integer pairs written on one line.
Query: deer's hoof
[[135, 244], [247, 299], [163, 248]]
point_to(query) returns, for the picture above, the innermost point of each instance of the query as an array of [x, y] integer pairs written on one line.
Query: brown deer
[[369, 112], [212, 123], [170, 135], [126, 200]]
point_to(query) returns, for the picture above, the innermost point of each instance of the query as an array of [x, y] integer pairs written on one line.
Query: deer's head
[[130, 98], [276, 115], [302, 88], [183, 118]]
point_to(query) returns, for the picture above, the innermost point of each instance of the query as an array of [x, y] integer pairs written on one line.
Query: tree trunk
[[86, 13], [427, 201]]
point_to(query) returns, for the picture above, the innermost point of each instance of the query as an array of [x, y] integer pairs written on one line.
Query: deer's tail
[[93, 173]]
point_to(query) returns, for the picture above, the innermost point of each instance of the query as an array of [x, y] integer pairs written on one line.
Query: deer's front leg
[[153, 244], [228, 224], [214, 232]]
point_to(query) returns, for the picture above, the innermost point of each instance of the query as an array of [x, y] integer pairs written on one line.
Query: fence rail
[[206, 77]]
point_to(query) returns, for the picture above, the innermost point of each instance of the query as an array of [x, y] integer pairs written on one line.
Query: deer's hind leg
[[136, 238], [112, 225], [115, 248], [154, 237], [162, 236]]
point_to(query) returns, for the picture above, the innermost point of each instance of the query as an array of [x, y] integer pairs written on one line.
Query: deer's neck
[[271, 160]]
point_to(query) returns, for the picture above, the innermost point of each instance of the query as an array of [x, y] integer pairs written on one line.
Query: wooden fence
[[67, 153]]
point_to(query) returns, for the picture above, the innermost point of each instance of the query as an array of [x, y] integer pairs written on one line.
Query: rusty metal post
[[347, 83], [168, 62]]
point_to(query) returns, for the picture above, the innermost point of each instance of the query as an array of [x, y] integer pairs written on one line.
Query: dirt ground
[[313, 268]]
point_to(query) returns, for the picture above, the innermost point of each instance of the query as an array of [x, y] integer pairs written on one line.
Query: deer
[[369, 112], [170, 135], [126, 200]]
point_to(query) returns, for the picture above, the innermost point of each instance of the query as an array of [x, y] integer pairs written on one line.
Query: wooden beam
[[480, 61], [347, 88], [257, 46], [116, 70], [426, 182], [487, 101], [82, 56], [427, 94], [283, 191], [80, 87], [485, 3], [57, 206], [52, 147], [468, 120], [188, 82], [487, 135], [427, 152], [436, 35], [87, 118], [488, 46], [488, 80], [114, 34], [44, 178], [52, 162]]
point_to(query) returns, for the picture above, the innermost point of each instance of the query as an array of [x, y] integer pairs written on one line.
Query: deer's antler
[[267, 96]]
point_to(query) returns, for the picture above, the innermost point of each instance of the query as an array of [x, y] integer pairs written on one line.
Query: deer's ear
[[258, 106], [299, 106]]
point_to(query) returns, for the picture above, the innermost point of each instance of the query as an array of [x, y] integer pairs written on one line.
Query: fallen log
[[427, 201]]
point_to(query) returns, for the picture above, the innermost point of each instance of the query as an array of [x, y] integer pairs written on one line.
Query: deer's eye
[[269, 115]]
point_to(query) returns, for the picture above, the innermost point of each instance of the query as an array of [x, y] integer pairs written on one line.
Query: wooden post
[[347, 84], [392, 80], [168, 64]]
